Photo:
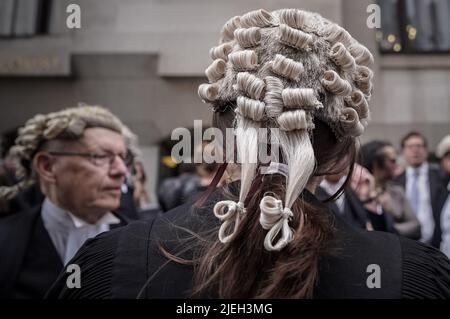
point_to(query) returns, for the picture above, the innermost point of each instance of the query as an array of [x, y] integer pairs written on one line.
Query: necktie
[[414, 195]]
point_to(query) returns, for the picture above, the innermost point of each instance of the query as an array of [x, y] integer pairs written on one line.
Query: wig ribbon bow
[[275, 218], [227, 211]]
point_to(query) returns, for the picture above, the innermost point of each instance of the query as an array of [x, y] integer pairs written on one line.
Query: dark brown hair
[[373, 155]]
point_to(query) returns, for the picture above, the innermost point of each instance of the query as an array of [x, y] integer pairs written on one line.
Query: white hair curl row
[[208, 92], [286, 67], [358, 101], [336, 33], [244, 60], [216, 70], [363, 79], [293, 18], [361, 54], [251, 109], [303, 98], [251, 85], [298, 101], [335, 84], [293, 120], [258, 18], [342, 57], [294, 38], [229, 27], [350, 123], [273, 97], [248, 38], [221, 51]]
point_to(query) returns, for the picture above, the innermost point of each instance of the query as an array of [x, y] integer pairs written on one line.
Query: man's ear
[[44, 165]]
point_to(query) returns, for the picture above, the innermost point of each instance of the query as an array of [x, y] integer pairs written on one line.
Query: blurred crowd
[[401, 193]]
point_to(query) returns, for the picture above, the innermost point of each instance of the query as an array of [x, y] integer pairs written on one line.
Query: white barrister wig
[[69, 123], [283, 69]]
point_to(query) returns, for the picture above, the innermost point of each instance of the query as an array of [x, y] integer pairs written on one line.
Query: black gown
[[126, 263], [29, 261]]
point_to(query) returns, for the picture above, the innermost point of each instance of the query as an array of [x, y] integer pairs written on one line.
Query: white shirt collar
[[418, 193], [66, 218], [68, 232], [108, 218], [422, 169], [331, 188]]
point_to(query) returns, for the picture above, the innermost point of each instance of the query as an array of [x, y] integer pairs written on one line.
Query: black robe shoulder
[[128, 263]]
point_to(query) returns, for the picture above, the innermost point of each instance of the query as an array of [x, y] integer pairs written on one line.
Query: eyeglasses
[[416, 146], [106, 159]]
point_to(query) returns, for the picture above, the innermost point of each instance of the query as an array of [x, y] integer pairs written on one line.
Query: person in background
[[140, 196], [78, 158], [178, 190], [424, 187], [7, 168], [349, 205], [380, 159], [443, 153], [32, 196], [146, 207], [174, 191], [128, 206]]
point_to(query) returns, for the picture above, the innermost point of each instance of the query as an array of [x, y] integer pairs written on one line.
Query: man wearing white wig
[[267, 235], [78, 158]]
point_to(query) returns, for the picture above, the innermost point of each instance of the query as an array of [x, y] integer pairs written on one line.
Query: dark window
[[414, 26], [24, 18]]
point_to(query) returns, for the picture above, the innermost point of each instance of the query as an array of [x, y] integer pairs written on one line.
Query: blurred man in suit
[[424, 187]]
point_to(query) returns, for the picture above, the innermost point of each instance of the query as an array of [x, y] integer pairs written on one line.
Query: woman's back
[[128, 262]]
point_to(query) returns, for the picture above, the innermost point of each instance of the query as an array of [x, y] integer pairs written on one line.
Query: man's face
[[88, 187], [414, 151]]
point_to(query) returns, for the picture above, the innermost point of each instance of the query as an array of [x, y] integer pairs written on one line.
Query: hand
[[363, 183], [389, 205]]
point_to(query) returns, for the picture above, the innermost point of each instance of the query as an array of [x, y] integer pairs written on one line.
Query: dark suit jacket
[[29, 262], [438, 195], [355, 214]]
